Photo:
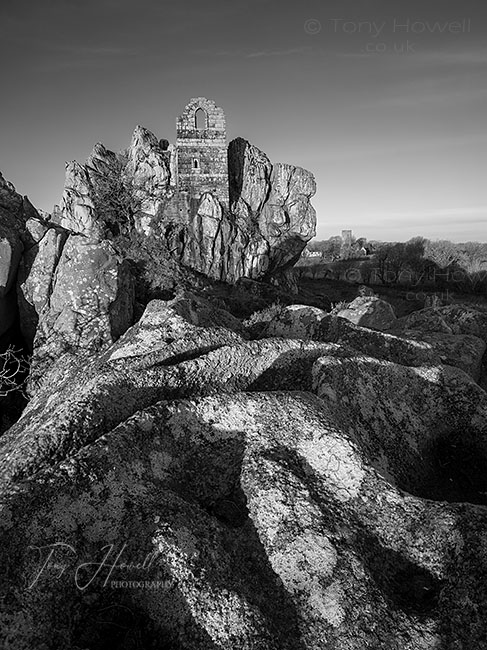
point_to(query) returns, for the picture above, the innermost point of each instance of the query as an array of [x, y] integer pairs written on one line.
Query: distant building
[[347, 237]]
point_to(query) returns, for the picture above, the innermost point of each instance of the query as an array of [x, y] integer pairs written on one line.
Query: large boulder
[[463, 351], [86, 396], [424, 427], [452, 319], [44, 243], [297, 322], [369, 311], [90, 302], [78, 210], [148, 169], [188, 484], [406, 347], [275, 198], [459, 332], [237, 521]]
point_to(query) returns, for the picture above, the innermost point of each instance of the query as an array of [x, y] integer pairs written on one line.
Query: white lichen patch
[[326, 603], [433, 374], [269, 511], [211, 420], [303, 561], [229, 418], [336, 462], [225, 615], [178, 546]]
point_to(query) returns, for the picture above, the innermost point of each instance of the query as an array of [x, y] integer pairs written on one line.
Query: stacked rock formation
[[69, 292], [258, 235]]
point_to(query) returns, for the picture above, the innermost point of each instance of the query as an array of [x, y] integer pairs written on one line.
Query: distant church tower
[[201, 149]]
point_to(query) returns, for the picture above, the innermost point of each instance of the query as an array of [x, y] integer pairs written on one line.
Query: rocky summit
[[190, 472], [323, 486]]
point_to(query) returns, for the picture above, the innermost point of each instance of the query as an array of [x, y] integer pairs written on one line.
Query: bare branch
[[13, 371]]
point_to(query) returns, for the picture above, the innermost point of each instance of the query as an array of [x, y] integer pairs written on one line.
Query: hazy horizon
[[384, 104]]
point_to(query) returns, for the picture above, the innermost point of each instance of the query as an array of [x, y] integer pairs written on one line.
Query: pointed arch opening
[[200, 119]]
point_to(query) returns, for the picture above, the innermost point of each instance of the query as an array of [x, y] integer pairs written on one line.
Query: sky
[[384, 101]]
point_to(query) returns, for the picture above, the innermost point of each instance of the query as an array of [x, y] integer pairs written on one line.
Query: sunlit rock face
[[35, 279], [277, 493], [90, 303], [258, 232], [369, 311]]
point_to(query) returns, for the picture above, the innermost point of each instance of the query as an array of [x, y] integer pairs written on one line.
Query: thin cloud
[[294, 50], [439, 58], [472, 57]]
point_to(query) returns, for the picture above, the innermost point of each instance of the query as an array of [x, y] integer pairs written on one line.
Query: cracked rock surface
[[188, 488]]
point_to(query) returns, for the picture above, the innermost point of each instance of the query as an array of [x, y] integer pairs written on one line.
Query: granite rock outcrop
[[277, 493]]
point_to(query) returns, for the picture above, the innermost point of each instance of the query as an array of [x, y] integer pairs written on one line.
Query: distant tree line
[[335, 248], [418, 262]]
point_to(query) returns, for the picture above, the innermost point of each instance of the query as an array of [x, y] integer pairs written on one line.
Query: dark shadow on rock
[[406, 586], [449, 465], [99, 618]]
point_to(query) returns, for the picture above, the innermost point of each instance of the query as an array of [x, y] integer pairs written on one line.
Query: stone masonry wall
[[202, 163]]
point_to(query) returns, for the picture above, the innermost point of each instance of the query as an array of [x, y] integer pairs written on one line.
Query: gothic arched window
[[200, 119]]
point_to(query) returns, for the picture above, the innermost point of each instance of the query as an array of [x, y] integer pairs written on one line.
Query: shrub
[[257, 321]]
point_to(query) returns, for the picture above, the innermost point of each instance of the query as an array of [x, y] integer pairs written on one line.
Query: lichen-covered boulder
[[275, 198], [237, 521], [250, 172], [179, 348], [406, 347], [452, 319], [184, 327], [304, 322], [190, 485], [148, 171], [424, 427], [369, 311], [288, 218], [297, 322], [463, 351], [424, 320], [35, 279], [90, 304], [78, 210], [207, 237]]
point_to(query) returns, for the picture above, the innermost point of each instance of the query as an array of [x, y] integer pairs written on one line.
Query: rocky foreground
[[321, 487]]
